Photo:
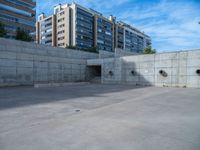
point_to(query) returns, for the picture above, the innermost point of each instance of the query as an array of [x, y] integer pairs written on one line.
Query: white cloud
[[172, 25]]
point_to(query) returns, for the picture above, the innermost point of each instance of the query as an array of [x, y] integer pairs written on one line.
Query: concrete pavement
[[99, 117]]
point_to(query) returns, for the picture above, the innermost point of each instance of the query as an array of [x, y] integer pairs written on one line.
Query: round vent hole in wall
[[163, 73], [110, 73], [133, 72], [198, 72]]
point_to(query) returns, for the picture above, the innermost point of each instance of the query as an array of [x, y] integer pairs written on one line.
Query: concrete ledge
[[59, 84]]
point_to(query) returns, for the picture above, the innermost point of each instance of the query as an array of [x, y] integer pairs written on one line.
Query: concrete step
[[41, 85]]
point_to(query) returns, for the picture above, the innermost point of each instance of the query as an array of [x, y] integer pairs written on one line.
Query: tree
[[2, 30], [71, 47], [149, 50], [23, 35], [91, 49]]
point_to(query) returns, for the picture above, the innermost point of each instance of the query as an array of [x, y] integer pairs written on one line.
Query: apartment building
[[75, 25], [46, 30], [18, 14], [55, 30], [130, 38]]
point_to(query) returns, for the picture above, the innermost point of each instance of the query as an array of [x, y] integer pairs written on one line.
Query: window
[[18, 11], [99, 30], [49, 41], [61, 44], [62, 13], [49, 24], [21, 3], [17, 20], [62, 19], [108, 33], [48, 19], [60, 32], [49, 30], [61, 38], [100, 41], [50, 35], [62, 25]]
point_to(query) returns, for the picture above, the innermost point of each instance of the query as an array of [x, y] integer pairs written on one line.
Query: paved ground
[[99, 117]]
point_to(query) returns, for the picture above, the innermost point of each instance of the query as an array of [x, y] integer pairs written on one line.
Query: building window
[[49, 30], [99, 30], [62, 19], [61, 38], [61, 44], [49, 41], [48, 19], [60, 32], [21, 3], [49, 24], [17, 20], [15, 10], [62, 13], [100, 41], [108, 33], [62, 25]]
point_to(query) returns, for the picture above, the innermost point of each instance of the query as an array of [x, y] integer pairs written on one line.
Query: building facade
[[82, 27], [46, 30], [63, 25], [73, 25], [103, 33], [130, 38], [18, 14], [119, 36]]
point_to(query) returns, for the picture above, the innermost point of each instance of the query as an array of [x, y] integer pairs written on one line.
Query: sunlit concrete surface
[[99, 117]]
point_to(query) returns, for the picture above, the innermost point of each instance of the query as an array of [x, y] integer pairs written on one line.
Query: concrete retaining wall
[[23, 63], [180, 69]]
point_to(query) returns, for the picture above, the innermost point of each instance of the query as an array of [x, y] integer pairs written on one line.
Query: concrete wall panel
[[180, 68], [23, 63]]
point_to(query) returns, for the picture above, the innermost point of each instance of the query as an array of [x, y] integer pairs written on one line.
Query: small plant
[[2, 30], [23, 35], [91, 49], [149, 50]]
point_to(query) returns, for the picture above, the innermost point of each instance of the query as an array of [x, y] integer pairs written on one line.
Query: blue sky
[[172, 24]]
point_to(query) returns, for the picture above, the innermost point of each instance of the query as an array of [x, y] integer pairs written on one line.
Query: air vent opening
[[133, 72], [198, 72], [110, 73], [163, 73]]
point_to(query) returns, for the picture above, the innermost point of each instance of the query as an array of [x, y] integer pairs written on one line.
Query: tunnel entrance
[[94, 74]]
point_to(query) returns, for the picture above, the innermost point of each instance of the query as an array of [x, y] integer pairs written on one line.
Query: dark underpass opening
[[94, 74]]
